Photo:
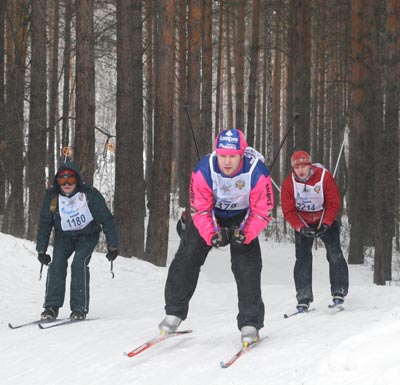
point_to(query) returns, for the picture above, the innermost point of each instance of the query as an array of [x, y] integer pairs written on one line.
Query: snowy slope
[[360, 345]]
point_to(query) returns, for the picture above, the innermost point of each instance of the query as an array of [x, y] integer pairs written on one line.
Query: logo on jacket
[[240, 184]]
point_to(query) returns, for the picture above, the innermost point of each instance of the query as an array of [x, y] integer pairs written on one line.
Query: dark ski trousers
[[64, 247], [184, 272], [338, 270]]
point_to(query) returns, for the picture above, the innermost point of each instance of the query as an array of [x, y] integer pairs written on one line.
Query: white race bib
[[231, 193], [309, 198], [74, 212]]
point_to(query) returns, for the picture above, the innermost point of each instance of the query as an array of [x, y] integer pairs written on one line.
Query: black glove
[[112, 254], [44, 258], [322, 230], [307, 232], [220, 238], [238, 237]]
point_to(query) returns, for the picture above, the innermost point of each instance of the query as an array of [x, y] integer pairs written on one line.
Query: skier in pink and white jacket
[[231, 201]]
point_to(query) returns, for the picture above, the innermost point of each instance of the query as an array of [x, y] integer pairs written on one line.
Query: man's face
[[228, 164], [302, 171]]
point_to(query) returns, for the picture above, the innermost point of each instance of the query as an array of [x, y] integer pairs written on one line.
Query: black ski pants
[[64, 247], [338, 269], [184, 272]]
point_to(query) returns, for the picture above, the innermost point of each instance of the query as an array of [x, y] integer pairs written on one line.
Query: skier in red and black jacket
[[310, 202]]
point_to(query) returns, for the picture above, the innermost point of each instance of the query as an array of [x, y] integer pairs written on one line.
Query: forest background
[[136, 90]]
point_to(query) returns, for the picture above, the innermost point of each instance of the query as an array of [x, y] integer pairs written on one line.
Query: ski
[[242, 351], [40, 321], [64, 322], [297, 313], [153, 341]]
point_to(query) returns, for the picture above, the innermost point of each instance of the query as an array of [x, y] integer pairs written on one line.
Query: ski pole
[[112, 269], [295, 116], [186, 108], [340, 153], [41, 270], [334, 173], [276, 185]]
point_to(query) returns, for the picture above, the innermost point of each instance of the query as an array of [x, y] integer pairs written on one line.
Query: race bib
[[231, 193], [309, 198], [74, 212]]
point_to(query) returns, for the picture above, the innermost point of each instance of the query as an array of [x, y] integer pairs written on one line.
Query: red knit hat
[[230, 142], [300, 158]]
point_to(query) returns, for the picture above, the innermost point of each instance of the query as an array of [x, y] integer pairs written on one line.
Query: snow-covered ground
[[359, 346]]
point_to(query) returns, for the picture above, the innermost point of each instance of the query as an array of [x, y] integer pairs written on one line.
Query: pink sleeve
[[201, 203], [261, 205]]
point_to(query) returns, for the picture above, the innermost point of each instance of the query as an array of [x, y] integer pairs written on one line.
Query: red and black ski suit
[[299, 211]]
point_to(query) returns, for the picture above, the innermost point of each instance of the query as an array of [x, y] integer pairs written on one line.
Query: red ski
[[243, 350], [155, 340]]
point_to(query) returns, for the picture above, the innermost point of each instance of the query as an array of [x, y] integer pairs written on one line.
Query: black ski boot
[[338, 298], [302, 307], [49, 314], [77, 315]]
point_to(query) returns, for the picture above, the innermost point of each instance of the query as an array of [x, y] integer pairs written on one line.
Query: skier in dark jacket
[[78, 213]]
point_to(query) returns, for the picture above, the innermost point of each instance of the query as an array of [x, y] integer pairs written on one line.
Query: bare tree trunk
[[290, 106], [67, 74], [85, 89], [229, 75], [36, 157], [254, 50], [158, 226], [129, 179], [239, 63], [138, 193], [266, 86], [358, 175], [3, 5], [193, 144], [194, 55], [17, 32], [219, 88], [183, 167], [53, 159], [318, 146], [149, 70], [387, 151], [302, 72], [276, 98], [206, 79]]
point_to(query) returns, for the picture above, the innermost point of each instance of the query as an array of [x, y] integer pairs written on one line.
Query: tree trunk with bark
[[65, 132], [17, 32], [129, 179], [53, 158], [85, 90], [36, 157], [3, 5], [158, 225], [254, 58]]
